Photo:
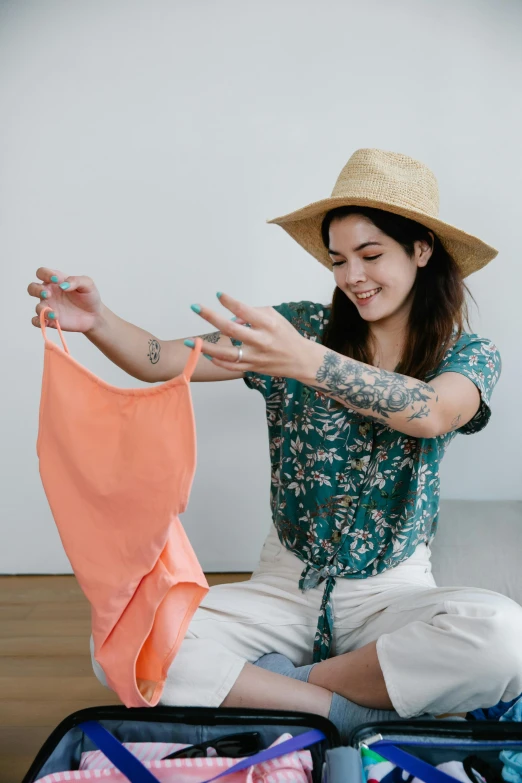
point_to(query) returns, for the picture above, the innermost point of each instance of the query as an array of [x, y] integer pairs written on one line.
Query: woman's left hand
[[271, 345]]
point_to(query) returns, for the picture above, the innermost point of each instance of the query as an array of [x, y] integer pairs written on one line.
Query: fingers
[[42, 306], [50, 275], [226, 357], [40, 291], [48, 320], [245, 313], [80, 283], [36, 322], [216, 352], [43, 293], [243, 316], [229, 328], [50, 278]]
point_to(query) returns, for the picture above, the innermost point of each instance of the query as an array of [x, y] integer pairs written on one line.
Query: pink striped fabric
[[293, 767], [144, 751]]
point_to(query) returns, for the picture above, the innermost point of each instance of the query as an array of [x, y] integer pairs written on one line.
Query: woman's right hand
[[75, 301]]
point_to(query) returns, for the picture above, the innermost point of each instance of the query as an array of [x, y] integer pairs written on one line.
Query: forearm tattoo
[[213, 337], [154, 351], [371, 389]]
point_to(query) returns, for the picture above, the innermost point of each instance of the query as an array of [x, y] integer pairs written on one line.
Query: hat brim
[[304, 225]]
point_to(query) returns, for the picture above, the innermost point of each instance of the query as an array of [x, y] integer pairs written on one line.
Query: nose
[[355, 272]]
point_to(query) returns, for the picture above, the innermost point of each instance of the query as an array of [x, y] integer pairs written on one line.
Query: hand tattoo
[[154, 351], [369, 388]]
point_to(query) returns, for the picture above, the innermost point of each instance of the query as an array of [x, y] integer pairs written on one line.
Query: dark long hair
[[439, 300]]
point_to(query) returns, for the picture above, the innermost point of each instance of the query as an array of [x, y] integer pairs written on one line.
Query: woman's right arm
[[144, 356], [79, 309]]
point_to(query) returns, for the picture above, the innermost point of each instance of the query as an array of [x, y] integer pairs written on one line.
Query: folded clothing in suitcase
[[431, 751], [85, 730], [406, 751]]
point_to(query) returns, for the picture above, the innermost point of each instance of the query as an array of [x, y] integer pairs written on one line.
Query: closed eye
[[365, 258]]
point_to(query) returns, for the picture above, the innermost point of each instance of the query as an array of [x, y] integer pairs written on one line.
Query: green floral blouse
[[349, 496]]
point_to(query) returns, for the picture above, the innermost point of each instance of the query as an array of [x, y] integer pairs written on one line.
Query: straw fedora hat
[[395, 183]]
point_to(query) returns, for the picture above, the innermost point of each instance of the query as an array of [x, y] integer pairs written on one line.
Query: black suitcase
[[406, 743], [63, 748]]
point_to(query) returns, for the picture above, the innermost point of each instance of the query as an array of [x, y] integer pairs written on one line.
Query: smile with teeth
[[367, 294]]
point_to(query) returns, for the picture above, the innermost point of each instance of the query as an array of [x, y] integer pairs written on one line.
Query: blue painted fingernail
[[196, 308], [234, 318], [190, 343], [51, 316], [65, 286], [208, 357], [219, 294], [54, 279], [43, 294]]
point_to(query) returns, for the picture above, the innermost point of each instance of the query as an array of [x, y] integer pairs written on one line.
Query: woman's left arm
[[418, 409]]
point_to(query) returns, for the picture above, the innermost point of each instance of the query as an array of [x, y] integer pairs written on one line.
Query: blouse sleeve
[[479, 360]]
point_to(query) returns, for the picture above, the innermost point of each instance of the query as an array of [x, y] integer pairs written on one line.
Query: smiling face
[[372, 269]]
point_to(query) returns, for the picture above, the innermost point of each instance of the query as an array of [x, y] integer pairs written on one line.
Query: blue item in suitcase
[[493, 713], [417, 747]]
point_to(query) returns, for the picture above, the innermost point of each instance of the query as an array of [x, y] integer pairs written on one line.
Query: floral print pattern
[[349, 496]]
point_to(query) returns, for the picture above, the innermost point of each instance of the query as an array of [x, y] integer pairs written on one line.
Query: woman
[[362, 397]]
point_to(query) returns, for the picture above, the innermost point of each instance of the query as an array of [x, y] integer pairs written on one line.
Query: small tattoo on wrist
[[213, 337], [154, 351]]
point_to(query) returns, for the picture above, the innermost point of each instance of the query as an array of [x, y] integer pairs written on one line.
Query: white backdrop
[[146, 143]]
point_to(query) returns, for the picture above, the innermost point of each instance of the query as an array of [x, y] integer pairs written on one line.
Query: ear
[[424, 250]]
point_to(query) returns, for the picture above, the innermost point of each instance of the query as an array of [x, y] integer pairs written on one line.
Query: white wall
[[145, 143]]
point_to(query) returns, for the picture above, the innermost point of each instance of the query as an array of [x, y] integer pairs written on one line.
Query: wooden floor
[[45, 665]]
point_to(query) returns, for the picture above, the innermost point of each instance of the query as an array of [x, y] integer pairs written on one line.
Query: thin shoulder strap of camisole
[[44, 329], [187, 372], [193, 359]]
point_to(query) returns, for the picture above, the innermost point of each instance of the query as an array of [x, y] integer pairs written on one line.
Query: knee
[[499, 653]]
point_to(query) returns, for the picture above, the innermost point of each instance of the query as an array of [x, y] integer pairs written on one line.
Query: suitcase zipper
[[369, 741], [440, 743]]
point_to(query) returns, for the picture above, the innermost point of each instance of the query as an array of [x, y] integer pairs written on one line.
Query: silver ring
[[240, 355]]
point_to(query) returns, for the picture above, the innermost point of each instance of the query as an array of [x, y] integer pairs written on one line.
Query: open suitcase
[[191, 725], [415, 747]]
